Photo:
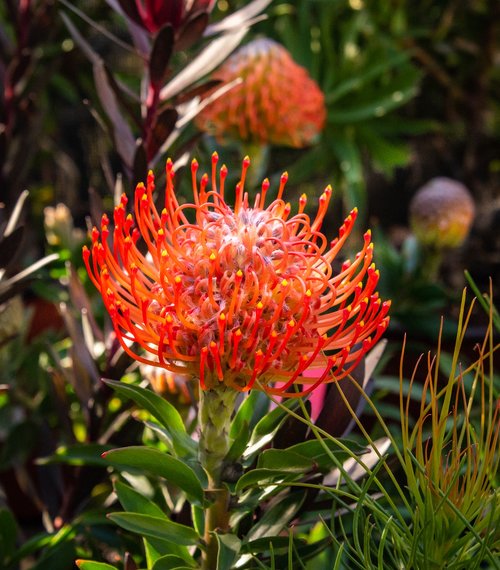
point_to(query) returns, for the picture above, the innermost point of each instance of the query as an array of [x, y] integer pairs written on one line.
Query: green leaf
[[266, 428], [163, 411], [8, 533], [360, 80], [255, 404], [284, 460], [239, 443], [157, 548], [229, 548], [277, 517], [78, 454], [156, 527], [263, 477], [132, 501], [160, 464], [170, 562], [315, 451], [91, 565], [377, 108]]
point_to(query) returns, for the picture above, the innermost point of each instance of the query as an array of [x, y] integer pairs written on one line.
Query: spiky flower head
[[276, 102], [239, 296], [441, 213]]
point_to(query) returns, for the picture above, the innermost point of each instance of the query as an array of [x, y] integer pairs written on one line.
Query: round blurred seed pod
[[441, 213]]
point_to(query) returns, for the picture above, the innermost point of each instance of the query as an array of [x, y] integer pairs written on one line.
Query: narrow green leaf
[[229, 548], [78, 454], [277, 517], [91, 565], [170, 562], [266, 428], [163, 411], [8, 533], [360, 80], [263, 477], [285, 460], [156, 527], [132, 501], [315, 451], [161, 464]]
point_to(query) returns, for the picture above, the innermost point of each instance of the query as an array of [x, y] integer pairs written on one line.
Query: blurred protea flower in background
[[276, 102], [152, 15], [441, 213], [236, 297]]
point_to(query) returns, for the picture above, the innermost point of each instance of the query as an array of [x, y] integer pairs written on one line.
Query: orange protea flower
[[276, 102], [235, 295]]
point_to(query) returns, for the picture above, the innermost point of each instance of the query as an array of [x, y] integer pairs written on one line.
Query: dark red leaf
[[198, 90], [192, 30], [160, 54], [163, 126], [130, 9], [140, 168]]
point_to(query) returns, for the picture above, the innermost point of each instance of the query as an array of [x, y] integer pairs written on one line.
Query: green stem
[[215, 411]]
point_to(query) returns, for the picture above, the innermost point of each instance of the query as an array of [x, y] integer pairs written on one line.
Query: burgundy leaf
[[192, 30], [198, 90], [160, 54], [163, 126], [129, 7], [140, 166]]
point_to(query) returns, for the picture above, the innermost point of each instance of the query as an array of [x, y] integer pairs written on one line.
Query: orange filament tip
[[246, 161], [284, 283], [291, 323], [308, 293], [164, 253], [178, 280], [222, 317], [212, 257], [260, 306], [238, 333], [215, 157]]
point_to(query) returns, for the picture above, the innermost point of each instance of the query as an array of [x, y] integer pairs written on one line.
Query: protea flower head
[[242, 296], [154, 14], [276, 102], [441, 213]]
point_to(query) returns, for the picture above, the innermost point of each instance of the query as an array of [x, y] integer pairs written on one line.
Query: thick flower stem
[[215, 410]]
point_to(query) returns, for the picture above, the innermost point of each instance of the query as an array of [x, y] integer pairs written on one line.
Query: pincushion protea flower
[[232, 296], [276, 102]]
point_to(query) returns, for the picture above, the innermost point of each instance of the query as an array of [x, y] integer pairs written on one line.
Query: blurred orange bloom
[[235, 295], [276, 102]]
